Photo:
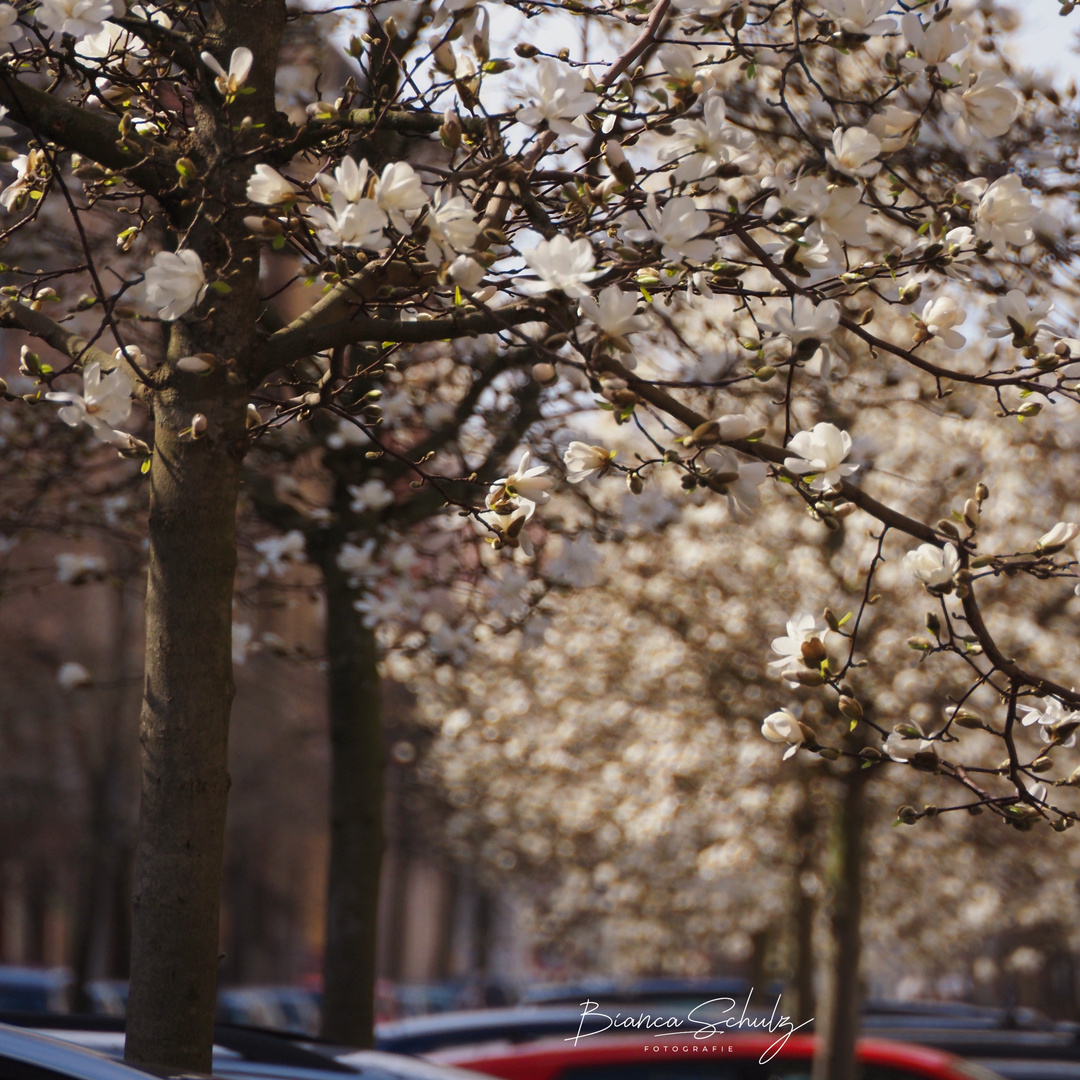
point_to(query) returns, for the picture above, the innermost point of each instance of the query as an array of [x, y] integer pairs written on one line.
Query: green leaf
[[645, 292], [846, 618], [144, 468], [221, 287]]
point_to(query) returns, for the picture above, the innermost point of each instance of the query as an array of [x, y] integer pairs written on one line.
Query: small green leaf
[[846, 618], [221, 287], [144, 468]]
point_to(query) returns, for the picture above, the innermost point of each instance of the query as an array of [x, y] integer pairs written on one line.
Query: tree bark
[[356, 797], [838, 1028], [802, 1008], [184, 723]]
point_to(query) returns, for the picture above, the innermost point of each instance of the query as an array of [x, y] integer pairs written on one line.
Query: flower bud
[[907, 815], [971, 514], [850, 707], [829, 753], [965, 718], [634, 483], [924, 761], [871, 754], [948, 528], [1041, 764], [198, 426], [933, 623], [982, 492], [526, 50], [545, 374], [802, 677], [814, 652], [198, 364], [616, 161], [1029, 408], [919, 644]]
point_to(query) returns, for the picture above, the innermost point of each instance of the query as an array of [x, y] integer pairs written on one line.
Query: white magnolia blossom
[[1013, 315], [679, 62], [577, 564], [934, 566], [104, 404], [906, 740], [614, 312], [782, 727], [26, 174], [268, 187], [351, 179], [854, 152], [860, 16], [451, 224], [802, 629], [677, 228], [702, 147], [278, 551], [1064, 532], [559, 263], [893, 127], [73, 568], [370, 496], [939, 316], [79, 18], [937, 39], [981, 103], [527, 482], [71, 676], [805, 322], [560, 98], [1049, 714], [349, 224], [739, 481], [1005, 213], [466, 273], [229, 82], [10, 30], [398, 193], [821, 450], [508, 528], [358, 562], [585, 462], [175, 283]]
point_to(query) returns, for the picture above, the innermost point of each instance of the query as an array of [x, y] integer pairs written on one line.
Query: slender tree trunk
[[356, 797], [184, 724], [839, 1026], [802, 1008]]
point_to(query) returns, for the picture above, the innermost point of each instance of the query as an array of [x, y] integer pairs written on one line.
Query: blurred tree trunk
[[838, 1027], [103, 844], [185, 722], [356, 797], [805, 822]]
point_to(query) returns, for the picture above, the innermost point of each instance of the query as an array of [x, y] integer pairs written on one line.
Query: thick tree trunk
[[356, 796], [184, 724], [838, 1027]]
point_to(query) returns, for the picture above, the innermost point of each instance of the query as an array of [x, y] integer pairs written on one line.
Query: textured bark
[[838, 1028], [184, 725], [356, 796]]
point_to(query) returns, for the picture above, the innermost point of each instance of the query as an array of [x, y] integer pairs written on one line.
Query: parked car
[[27, 989], [734, 1057], [27, 1056], [243, 1052]]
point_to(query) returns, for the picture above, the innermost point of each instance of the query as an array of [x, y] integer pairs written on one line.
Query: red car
[[722, 1057]]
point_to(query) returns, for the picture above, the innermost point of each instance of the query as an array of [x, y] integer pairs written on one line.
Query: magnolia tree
[[726, 221]]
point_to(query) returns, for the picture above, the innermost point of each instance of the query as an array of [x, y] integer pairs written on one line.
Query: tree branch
[[93, 135], [295, 342]]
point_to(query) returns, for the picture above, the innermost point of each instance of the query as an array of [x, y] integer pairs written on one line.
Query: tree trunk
[[838, 1028], [802, 1008], [356, 797], [184, 723]]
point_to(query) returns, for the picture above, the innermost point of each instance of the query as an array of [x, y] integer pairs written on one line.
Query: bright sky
[[1046, 39]]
